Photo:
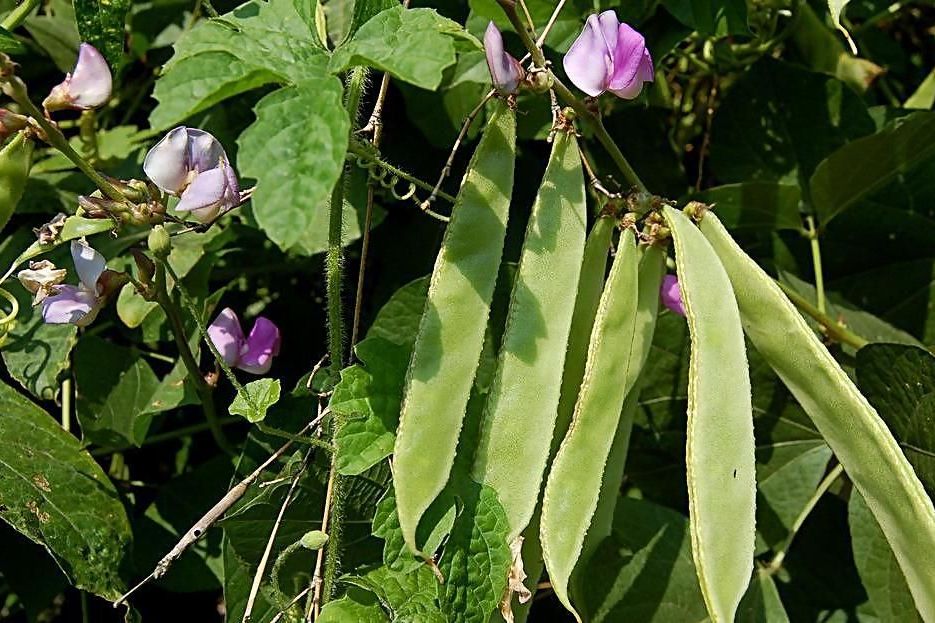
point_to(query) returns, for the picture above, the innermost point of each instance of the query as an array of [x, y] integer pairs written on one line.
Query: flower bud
[[145, 266], [87, 86], [505, 71], [7, 67], [10, 123], [159, 242], [671, 295], [314, 539]]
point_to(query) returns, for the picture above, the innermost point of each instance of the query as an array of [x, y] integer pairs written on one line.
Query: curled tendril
[[6, 319], [385, 178]]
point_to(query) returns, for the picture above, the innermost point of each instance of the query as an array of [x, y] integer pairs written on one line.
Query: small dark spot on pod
[[735, 473]]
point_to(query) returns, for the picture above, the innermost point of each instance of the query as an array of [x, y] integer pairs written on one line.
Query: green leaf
[[761, 604], [255, 399], [711, 17], [115, 389], [74, 227], [364, 11], [899, 381], [257, 43], [359, 606], [9, 43], [879, 572], [55, 494], [777, 122], [55, 32], [849, 175], [101, 23], [755, 205], [295, 150], [398, 319], [369, 396], [403, 594], [924, 96], [35, 353], [476, 558], [644, 571], [414, 45]]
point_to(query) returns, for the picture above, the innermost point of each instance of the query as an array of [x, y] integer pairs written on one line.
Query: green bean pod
[[451, 332], [15, 162], [856, 433], [521, 408], [590, 286], [720, 449], [574, 481], [652, 269]]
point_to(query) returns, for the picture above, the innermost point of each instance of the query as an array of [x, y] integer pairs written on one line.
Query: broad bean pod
[[590, 286], [574, 480], [451, 332], [720, 452], [652, 268], [863, 444], [520, 414], [15, 162]]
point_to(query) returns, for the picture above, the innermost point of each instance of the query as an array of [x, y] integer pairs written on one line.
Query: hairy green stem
[[334, 266], [565, 94], [776, 563], [19, 14], [205, 392], [53, 135]]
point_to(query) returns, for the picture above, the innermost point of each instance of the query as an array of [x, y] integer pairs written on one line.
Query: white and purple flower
[[66, 303], [254, 353], [191, 164], [87, 86], [609, 56]]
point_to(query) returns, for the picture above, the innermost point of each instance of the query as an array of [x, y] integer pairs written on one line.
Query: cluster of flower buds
[[606, 56], [64, 303], [142, 205]]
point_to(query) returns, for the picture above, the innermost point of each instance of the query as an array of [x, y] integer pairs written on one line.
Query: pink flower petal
[[589, 61], [91, 81], [70, 305], [166, 164], [227, 336], [205, 195], [262, 345], [628, 58], [89, 264], [505, 71], [671, 294]]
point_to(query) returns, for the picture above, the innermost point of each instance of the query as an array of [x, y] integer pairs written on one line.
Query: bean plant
[[526, 310]]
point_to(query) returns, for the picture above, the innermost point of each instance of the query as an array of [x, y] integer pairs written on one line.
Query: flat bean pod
[[15, 162], [720, 449], [859, 438], [451, 332], [652, 269], [590, 286], [574, 480], [523, 400]]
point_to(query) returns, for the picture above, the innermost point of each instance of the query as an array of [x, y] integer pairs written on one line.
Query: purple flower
[[671, 294], [78, 305], [505, 71], [253, 354], [191, 164], [87, 86], [609, 56]]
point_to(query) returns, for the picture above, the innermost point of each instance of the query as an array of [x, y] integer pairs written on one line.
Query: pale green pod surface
[[523, 401], [574, 481], [652, 269], [15, 162], [720, 450], [451, 331], [859, 438], [590, 286]]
